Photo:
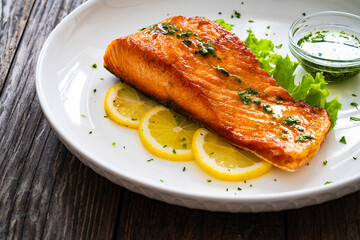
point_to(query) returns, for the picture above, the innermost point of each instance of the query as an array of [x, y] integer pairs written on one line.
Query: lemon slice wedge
[[167, 134], [224, 161], [125, 106]]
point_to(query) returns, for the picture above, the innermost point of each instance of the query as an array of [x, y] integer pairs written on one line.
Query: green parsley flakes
[[290, 120], [354, 104], [342, 140], [237, 14], [354, 119], [149, 160], [94, 66], [209, 180], [327, 182], [325, 162], [304, 137]]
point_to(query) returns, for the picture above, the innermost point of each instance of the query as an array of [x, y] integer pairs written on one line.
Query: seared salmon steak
[[199, 68]]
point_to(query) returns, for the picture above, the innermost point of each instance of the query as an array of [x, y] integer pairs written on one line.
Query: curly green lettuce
[[311, 89]]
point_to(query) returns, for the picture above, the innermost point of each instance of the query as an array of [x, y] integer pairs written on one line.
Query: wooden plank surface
[[46, 193], [13, 18]]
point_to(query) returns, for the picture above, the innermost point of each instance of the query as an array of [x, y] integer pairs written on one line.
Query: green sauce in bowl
[[327, 42]]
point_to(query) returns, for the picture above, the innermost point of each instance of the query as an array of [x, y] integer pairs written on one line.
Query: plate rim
[[86, 157]]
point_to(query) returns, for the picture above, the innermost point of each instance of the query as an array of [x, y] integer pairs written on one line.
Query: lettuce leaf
[[226, 25], [311, 89]]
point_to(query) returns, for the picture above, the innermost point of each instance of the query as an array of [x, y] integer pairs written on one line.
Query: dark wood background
[[45, 192]]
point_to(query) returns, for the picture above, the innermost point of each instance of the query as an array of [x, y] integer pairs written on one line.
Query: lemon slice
[[167, 134], [224, 161], [125, 105]]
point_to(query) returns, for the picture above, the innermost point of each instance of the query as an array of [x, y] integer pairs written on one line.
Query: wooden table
[[45, 192]]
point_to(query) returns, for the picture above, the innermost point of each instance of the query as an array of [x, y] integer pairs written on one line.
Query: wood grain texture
[[339, 219], [143, 218], [45, 192], [14, 15]]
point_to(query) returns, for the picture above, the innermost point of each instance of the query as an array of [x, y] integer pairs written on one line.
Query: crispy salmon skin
[[207, 72]]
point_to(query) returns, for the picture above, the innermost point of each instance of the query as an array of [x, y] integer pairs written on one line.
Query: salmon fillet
[[198, 67]]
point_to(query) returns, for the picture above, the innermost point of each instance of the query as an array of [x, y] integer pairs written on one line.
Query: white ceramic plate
[[65, 83]]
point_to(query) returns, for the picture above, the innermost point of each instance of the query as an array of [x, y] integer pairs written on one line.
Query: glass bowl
[[337, 63]]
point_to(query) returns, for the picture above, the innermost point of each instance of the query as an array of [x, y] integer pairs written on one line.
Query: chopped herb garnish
[[304, 14], [174, 151], [227, 189], [165, 146], [161, 180], [185, 34], [257, 102], [133, 119], [184, 169], [300, 128], [325, 162], [83, 115], [236, 78], [187, 42], [354, 158], [101, 78], [342, 140], [90, 132], [207, 48], [209, 180], [279, 100], [94, 66], [114, 143], [304, 137], [354, 95], [251, 92], [268, 27], [222, 70], [328, 182], [275, 180], [354, 104], [267, 108], [164, 29], [184, 146], [354, 118], [239, 189], [246, 100], [142, 29], [250, 21], [184, 139], [284, 131], [237, 14], [219, 13], [211, 153], [279, 46], [94, 90], [290, 120], [283, 137], [178, 119], [105, 116], [149, 160]]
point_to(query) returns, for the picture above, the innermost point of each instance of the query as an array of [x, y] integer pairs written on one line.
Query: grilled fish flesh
[[198, 67]]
